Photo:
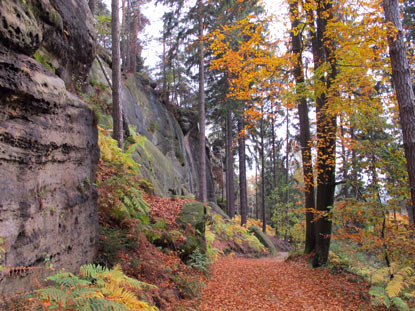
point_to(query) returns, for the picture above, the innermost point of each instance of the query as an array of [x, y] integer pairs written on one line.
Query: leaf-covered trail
[[269, 284]]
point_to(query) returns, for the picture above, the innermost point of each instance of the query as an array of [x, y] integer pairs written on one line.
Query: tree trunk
[[242, 171], [230, 196], [123, 38], [274, 151], [256, 184], [116, 76], [326, 134], [133, 43], [264, 220], [202, 139], [404, 93], [287, 154], [91, 4], [305, 136]]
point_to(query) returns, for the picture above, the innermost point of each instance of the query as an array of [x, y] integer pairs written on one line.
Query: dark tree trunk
[[230, 195], [91, 4], [326, 147], [116, 76], [305, 136], [404, 93], [264, 219], [326, 134], [202, 139], [274, 151], [242, 172]]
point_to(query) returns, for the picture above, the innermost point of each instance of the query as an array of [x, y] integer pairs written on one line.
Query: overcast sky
[[152, 49]]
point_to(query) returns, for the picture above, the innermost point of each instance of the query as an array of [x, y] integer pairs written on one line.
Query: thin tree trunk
[[345, 191], [202, 139], [242, 171], [287, 153], [123, 38], [274, 151], [264, 220], [256, 183], [305, 136], [230, 202], [403, 87], [116, 76]]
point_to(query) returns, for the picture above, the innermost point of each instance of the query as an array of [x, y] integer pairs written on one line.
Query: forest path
[[270, 284]]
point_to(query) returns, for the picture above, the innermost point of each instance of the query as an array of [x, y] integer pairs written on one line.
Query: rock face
[[263, 238], [168, 158], [48, 139]]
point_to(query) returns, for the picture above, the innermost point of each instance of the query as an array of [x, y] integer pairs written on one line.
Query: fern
[[67, 280], [96, 289], [400, 304], [393, 283], [395, 286]]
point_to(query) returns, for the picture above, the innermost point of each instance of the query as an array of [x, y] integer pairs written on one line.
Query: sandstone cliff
[[48, 138]]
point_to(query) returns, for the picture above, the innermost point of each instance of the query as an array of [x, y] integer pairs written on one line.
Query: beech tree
[[403, 87]]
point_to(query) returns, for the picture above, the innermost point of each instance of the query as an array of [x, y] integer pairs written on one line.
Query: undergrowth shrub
[[393, 286], [199, 261], [230, 230], [95, 289], [111, 242], [118, 181]]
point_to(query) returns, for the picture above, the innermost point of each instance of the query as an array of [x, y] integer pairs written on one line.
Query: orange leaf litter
[[268, 284]]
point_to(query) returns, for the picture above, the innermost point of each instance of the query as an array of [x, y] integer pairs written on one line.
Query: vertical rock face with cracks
[[48, 139]]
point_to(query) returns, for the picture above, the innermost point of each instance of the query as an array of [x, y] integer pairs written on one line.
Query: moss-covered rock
[[262, 237], [192, 219], [217, 210]]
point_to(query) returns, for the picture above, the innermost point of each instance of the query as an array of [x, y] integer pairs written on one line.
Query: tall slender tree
[[305, 136], [202, 118], [230, 186], [243, 196], [118, 133]]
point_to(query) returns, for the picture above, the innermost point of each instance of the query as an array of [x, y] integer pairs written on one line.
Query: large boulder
[[48, 140], [192, 220], [263, 238]]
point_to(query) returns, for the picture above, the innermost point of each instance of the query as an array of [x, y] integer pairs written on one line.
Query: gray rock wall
[[169, 158], [48, 140]]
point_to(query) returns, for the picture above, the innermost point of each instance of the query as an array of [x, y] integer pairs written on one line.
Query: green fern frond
[[400, 304], [53, 294], [93, 271], [67, 280]]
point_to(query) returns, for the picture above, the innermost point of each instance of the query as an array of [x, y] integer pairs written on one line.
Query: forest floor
[[272, 284]]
